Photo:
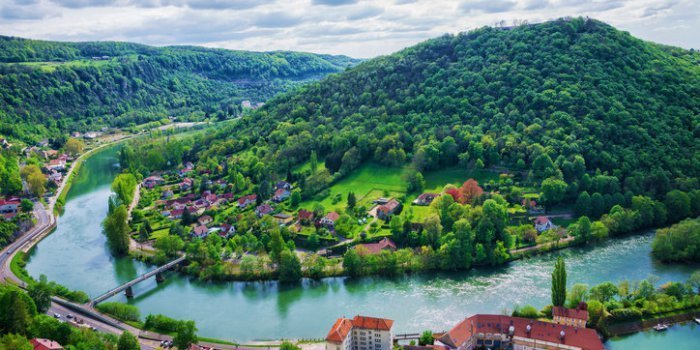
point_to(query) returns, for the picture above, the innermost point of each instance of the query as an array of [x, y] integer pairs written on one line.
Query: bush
[[621, 315], [121, 311], [527, 311], [160, 323]]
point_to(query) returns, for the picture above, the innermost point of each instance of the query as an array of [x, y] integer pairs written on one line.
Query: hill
[[556, 99], [48, 88]]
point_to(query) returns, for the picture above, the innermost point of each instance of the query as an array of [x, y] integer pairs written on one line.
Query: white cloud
[[360, 28]]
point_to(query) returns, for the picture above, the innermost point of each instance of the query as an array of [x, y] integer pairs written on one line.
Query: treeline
[[680, 242], [517, 98], [50, 88]]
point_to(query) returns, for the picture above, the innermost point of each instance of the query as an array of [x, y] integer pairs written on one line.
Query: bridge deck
[[145, 276]]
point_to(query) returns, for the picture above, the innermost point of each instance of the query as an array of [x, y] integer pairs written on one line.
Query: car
[[56, 315], [70, 316]]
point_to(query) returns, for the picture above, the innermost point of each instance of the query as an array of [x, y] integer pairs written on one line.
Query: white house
[[542, 223], [360, 333]]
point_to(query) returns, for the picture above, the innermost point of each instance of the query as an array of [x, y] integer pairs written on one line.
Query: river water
[[76, 256]]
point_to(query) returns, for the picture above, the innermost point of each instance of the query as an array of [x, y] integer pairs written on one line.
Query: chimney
[[562, 335]]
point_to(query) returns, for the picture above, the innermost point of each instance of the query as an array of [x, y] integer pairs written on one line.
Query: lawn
[[368, 182]]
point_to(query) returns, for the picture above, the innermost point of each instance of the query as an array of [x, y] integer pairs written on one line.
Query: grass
[[17, 267]]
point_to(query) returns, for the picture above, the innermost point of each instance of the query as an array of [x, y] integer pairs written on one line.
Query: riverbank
[[670, 318]]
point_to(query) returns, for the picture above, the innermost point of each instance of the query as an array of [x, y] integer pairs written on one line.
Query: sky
[[357, 28]]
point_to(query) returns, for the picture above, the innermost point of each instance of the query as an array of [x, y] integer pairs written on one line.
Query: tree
[[117, 230], [40, 292], [276, 245], [170, 245], [583, 204], [313, 161], [124, 186], [694, 281], [678, 205], [577, 294], [74, 146], [426, 338], [16, 312], [415, 181], [289, 267], [559, 283], [295, 198], [352, 263], [597, 205], [37, 184], [128, 341], [469, 191], [185, 335], [553, 191], [286, 345], [581, 229], [352, 200], [603, 292], [26, 205], [15, 342]]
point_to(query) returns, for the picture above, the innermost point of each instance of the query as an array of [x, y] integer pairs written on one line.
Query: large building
[[505, 332], [45, 344], [360, 333], [577, 317]]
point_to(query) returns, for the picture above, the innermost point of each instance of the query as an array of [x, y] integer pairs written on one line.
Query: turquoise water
[[684, 336], [76, 255]]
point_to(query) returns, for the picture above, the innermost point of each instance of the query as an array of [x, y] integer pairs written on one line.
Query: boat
[[697, 320], [660, 327]]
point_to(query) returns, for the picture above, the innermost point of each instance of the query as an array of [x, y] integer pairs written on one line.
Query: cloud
[[23, 13], [334, 2], [655, 10], [218, 4], [363, 13], [536, 4], [486, 6], [277, 20], [83, 3]]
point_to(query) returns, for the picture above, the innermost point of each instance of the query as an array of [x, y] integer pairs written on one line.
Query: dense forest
[[59, 87], [556, 99]]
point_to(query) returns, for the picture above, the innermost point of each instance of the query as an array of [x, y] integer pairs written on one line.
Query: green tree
[[352, 263], [426, 338], [553, 191], [26, 205], [15, 342], [289, 267], [128, 341], [313, 161], [185, 335], [117, 230], [352, 201], [40, 292], [295, 198], [583, 204], [559, 283], [74, 146], [45, 326], [678, 205], [16, 312], [286, 345]]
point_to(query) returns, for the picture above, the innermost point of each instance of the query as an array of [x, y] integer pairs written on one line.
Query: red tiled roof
[[376, 248], [248, 198], [365, 322], [305, 214], [332, 216], [341, 328], [45, 344], [570, 313], [541, 220], [584, 338]]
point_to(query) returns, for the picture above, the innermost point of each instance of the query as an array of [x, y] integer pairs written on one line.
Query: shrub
[[121, 311], [620, 315], [160, 323], [527, 311]]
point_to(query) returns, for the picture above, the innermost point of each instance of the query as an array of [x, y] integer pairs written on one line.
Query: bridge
[[127, 286], [406, 336]]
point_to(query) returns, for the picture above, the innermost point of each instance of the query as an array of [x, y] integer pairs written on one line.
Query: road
[[44, 220]]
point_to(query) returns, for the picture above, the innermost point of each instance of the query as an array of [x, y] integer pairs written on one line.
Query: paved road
[[43, 220]]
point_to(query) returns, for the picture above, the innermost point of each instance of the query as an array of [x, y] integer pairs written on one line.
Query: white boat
[[697, 320], [660, 327]]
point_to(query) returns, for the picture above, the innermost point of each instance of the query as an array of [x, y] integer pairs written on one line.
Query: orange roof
[[342, 326], [45, 344], [570, 313], [583, 338], [372, 323], [339, 331]]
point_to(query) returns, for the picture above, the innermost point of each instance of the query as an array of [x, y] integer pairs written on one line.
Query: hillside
[[57, 87], [533, 98]]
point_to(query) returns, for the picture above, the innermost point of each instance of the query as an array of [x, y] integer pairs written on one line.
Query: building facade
[[360, 333]]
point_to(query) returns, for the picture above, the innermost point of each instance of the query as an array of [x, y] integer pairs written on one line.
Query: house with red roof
[[385, 211], [200, 231], [360, 333], [425, 198], [376, 248], [205, 220], [542, 223], [153, 181], [263, 209], [45, 344], [329, 220], [305, 217], [247, 200], [280, 195], [186, 184], [506, 332]]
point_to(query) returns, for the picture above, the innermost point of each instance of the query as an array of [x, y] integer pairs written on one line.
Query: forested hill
[[57, 87], [532, 97]]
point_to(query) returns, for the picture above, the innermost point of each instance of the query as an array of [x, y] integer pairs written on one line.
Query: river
[[76, 256]]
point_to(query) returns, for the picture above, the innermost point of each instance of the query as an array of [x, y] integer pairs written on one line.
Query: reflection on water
[[76, 256]]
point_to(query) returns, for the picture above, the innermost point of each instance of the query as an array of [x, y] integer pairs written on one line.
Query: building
[[376, 248], [263, 209], [186, 184], [360, 333], [45, 344], [247, 200], [425, 198], [200, 231], [329, 220], [506, 332], [205, 220], [280, 195], [577, 317], [283, 185], [10, 205], [283, 219], [153, 181], [385, 211], [542, 223], [305, 217]]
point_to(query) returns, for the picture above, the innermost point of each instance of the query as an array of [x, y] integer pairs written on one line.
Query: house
[[305, 217], [45, 344], [176, 213], [425, 198], [227, 230], [263, 209], [329, 220], [55, 177], [247, 200], [577, 317], [153, 181], [284, 185], [351, 334], [280, 195], [376, 248], [505, 332], [186, 184], [4, 144], [283, 219], [391, 207], [542, 224], [381, 201], [200, 231], [55, 165], [167, 194], [10, 205], [205, 220]]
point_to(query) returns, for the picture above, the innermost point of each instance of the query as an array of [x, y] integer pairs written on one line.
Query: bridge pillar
[[160, 278], [129, 292]]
